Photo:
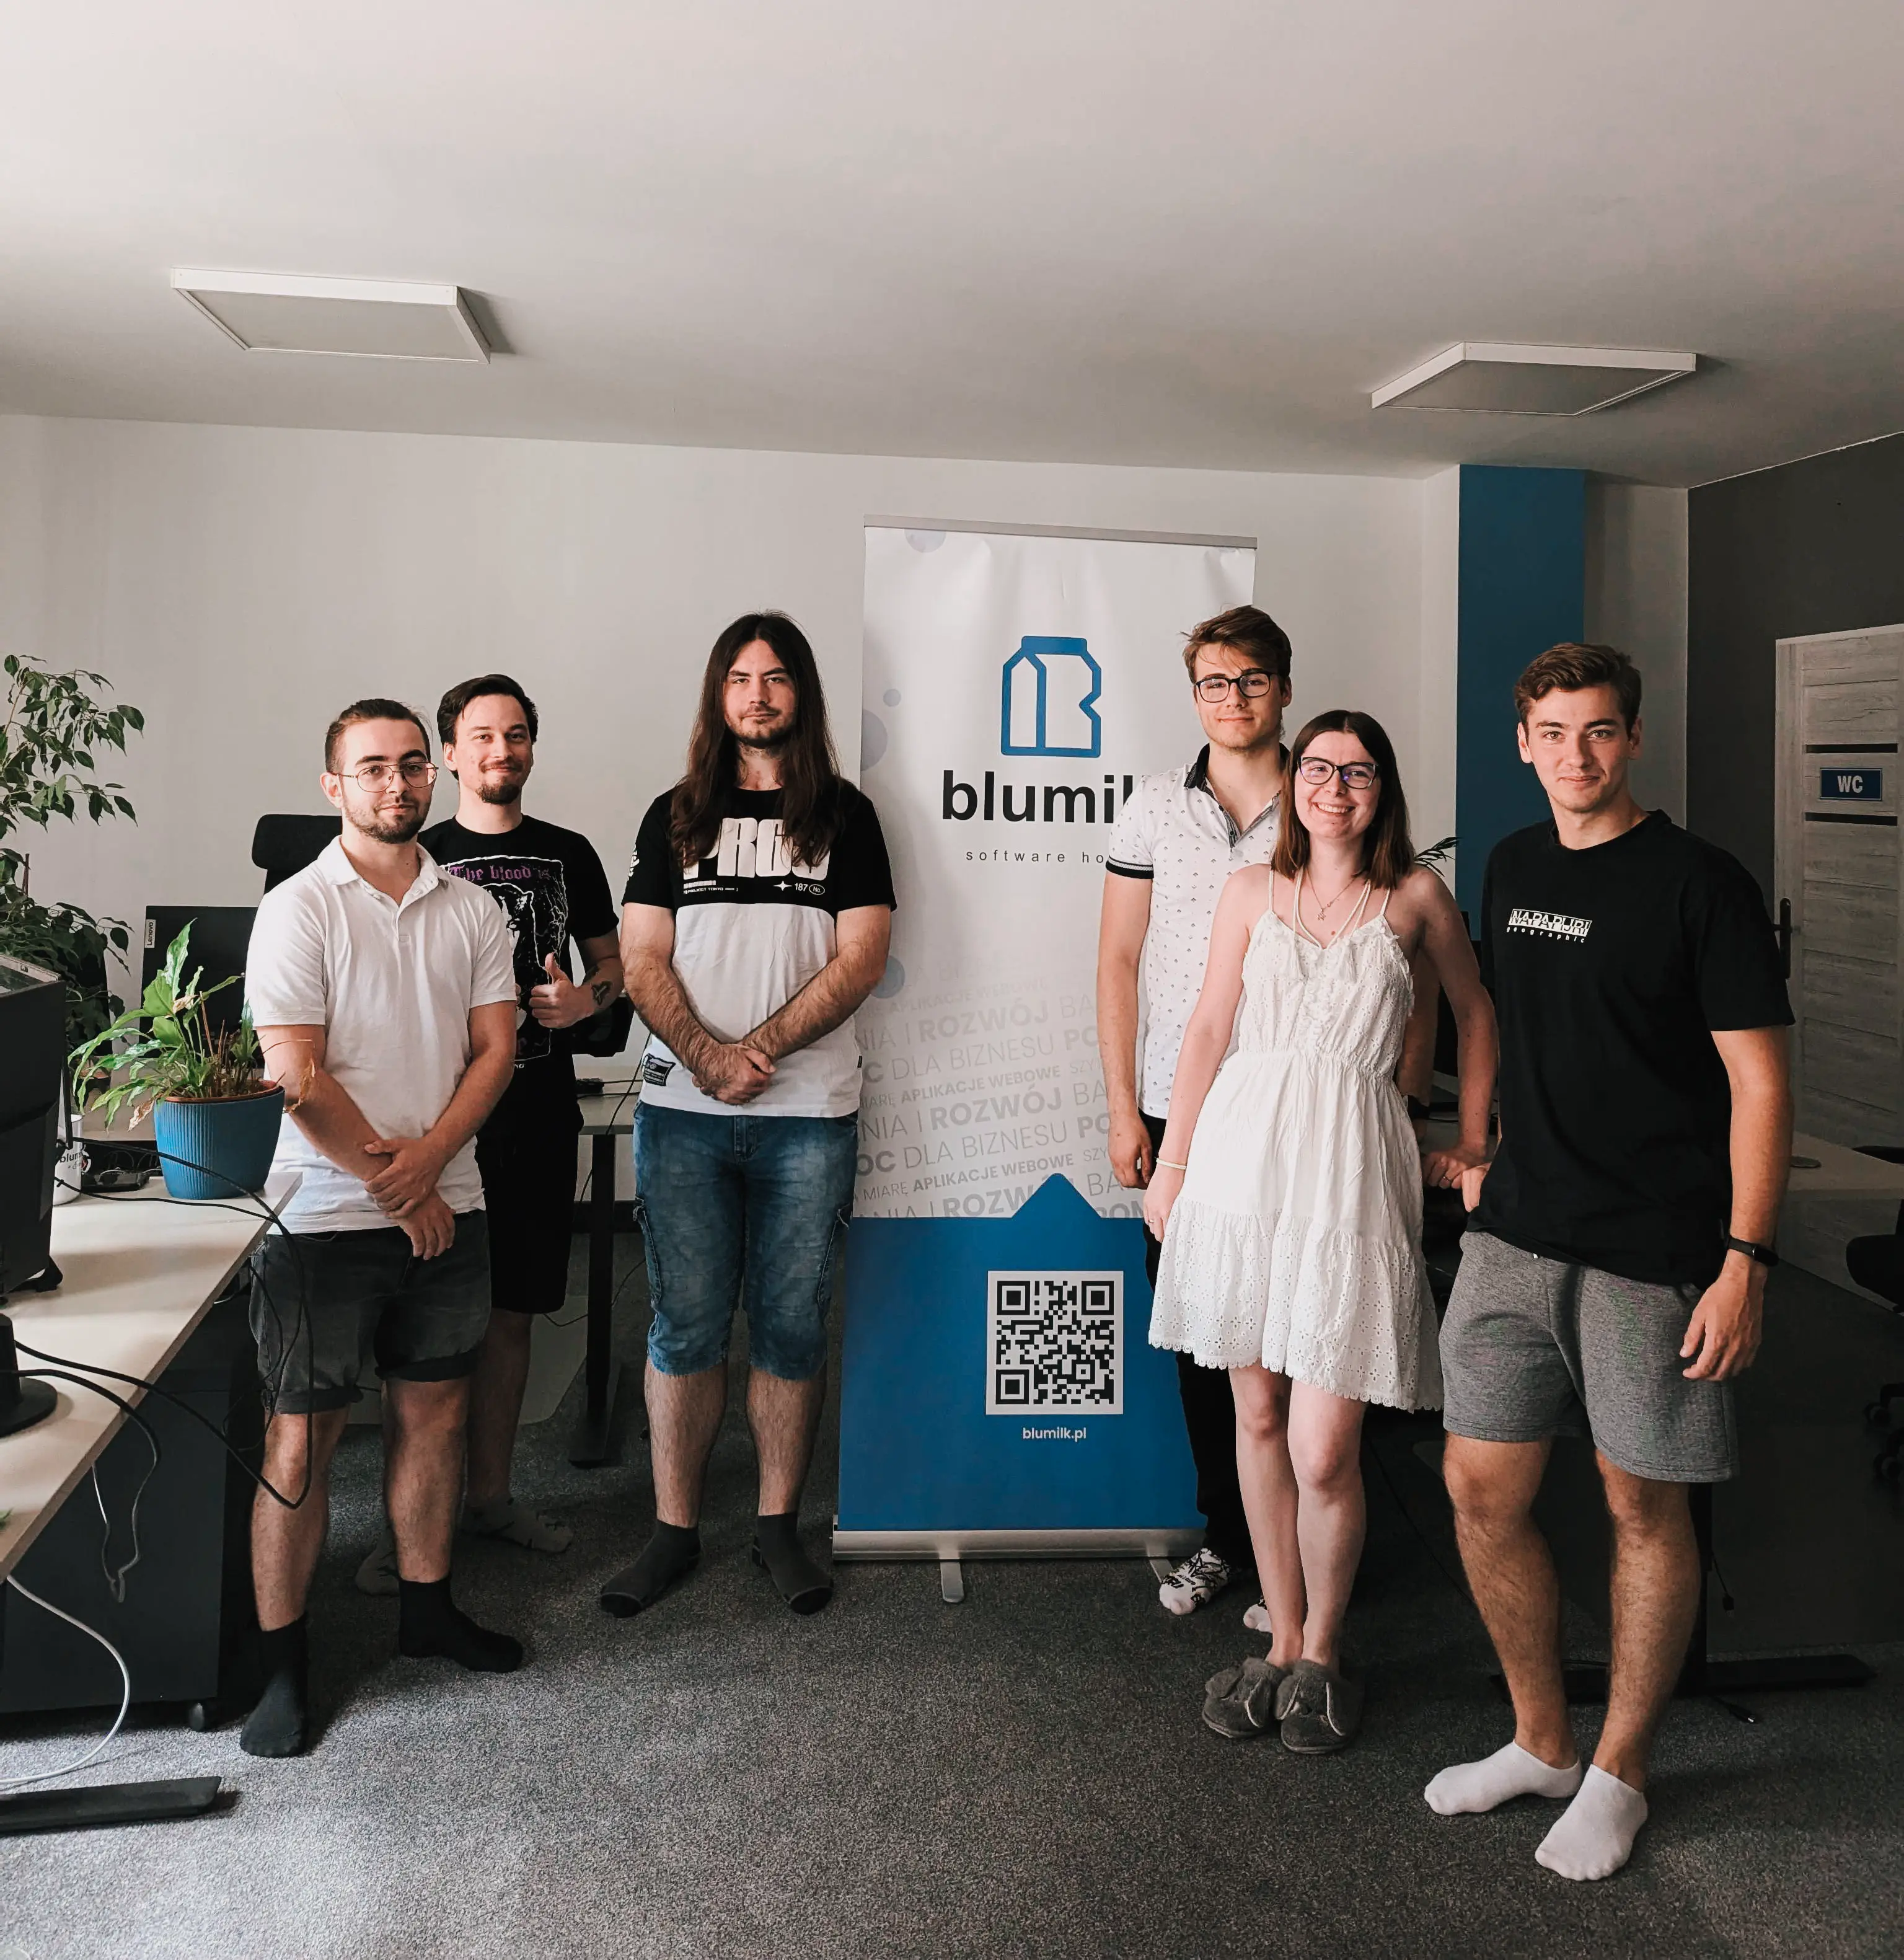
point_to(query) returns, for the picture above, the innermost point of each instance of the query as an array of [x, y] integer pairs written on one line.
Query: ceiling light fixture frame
[[189, 282], [1654, 367]]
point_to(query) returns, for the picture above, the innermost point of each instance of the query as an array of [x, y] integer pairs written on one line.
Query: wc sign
[[1851, 785]]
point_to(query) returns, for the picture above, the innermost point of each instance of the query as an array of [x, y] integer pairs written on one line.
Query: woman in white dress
[[1287, 1194]]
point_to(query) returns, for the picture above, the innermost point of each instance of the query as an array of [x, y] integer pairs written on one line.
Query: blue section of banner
[[1523, 577], [917, 1451]]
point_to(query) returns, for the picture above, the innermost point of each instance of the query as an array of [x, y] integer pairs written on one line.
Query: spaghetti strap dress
[[1296, 1239]]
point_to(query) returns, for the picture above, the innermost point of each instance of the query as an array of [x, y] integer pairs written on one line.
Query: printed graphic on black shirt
[[551, 884]]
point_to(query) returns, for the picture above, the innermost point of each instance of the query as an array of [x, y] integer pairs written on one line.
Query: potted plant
[[215, 1117], [52, 726]]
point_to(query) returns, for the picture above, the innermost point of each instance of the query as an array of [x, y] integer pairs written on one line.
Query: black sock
[[276, 1726], [429, 1622], [777, 1548], [670, 1554]]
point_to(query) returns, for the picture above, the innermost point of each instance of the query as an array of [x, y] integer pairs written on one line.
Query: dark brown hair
[[372, 707], [451, 707], [1387, 856], [1576, 664], [810, 781], [1247, 630]]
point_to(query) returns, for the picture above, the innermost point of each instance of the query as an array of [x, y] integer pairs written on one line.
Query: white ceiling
[[1095, 230]]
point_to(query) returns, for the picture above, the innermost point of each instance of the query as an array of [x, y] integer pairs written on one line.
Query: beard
[[767, 741], [499, 791], [387, 826]]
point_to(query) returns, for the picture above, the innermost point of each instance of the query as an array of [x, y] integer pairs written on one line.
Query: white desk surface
[[139, 1275]]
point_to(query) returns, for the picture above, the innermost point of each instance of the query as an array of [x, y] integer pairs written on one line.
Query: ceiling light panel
[[390, 320], [1504, 378]]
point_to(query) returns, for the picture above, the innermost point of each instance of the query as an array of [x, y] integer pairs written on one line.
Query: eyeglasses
[[1249, 684], [1354, 775], [375, 776]]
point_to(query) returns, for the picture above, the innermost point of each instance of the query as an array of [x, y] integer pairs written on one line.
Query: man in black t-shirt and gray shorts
[[1613, 1273]]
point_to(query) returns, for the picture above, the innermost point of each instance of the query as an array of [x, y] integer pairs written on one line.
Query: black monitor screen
[[33, 1046], [220, 935]]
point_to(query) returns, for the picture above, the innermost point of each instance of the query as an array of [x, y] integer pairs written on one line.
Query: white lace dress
[[1296, 1239]]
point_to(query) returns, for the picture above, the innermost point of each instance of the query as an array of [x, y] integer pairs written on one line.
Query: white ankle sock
[[1594, 1837], [1508, 1773]]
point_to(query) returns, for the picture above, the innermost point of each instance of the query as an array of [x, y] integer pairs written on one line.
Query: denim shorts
[[326, 1307], [741, 1210]]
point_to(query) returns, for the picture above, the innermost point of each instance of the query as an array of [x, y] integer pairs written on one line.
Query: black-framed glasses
[[1250, 684], [1354, 775], [375, 776]]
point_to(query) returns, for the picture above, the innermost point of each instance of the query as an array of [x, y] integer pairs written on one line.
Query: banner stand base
[[1170, 1542]]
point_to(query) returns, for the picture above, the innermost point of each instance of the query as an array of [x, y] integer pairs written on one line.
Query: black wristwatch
[[1760, 1255]]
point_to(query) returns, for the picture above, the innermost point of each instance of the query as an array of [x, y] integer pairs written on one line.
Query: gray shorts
[[1534, 1347], [326, 1307]]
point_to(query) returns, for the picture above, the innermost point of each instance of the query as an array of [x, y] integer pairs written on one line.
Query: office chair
[[281, 846], [1877, 1263]]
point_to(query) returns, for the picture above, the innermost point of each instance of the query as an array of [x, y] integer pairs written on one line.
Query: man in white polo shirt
[[384, 996], [1179, 836]]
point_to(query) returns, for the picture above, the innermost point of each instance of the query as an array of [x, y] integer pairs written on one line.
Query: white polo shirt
[[392, 984], [1173, 831]]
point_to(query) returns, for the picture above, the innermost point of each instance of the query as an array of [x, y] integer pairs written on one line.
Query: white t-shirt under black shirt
[[1173, 831], [751, 928], [392, 984]]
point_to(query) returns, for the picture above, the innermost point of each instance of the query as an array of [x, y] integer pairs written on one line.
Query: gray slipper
[[1319, 1710], [1241, 1702]]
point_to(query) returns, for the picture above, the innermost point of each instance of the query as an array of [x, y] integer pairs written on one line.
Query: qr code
[[1054, 1340]]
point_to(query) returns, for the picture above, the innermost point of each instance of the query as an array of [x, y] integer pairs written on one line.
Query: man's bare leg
[[423, 1472], [422, 1488], [684, 1414], [285, 1545], [784, 1417], [496, 1405], [1510, 1571], [1656, 1583]]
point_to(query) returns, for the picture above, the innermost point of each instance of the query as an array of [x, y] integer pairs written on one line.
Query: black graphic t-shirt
[[751, 927], [551, 884], [1609, 968]]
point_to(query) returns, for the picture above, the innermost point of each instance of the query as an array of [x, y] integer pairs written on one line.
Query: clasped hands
[[405, 1191], [732, 1071]]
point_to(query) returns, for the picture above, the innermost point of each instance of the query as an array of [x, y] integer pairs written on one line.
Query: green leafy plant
[[166, 1049], [52, 726]]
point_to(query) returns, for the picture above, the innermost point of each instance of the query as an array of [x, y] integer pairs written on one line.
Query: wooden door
[[1838, 868]]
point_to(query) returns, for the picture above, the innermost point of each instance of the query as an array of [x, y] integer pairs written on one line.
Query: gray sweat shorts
[[1533, 1347]]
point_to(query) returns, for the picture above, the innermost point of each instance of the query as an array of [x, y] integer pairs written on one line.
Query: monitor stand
[[22, 1403]]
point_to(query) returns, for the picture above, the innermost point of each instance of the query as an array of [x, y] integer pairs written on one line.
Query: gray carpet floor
[[1024, 1773]]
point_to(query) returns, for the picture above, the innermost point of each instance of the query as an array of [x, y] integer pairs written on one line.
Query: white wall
[[240, 585], [1636, 601]]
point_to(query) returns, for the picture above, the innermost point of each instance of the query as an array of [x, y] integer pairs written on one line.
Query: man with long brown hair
[[756, 919]]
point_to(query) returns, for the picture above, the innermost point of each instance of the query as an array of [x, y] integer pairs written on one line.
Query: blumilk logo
[[1047, 697]]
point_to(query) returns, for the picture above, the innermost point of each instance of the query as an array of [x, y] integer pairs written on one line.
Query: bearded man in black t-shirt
[[553, 891], [1613, 1274]]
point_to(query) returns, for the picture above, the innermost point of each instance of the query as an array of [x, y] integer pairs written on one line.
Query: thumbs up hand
[[558, 1002]]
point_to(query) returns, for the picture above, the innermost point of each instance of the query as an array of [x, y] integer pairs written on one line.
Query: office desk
[[611, 1115], [140, 1273]]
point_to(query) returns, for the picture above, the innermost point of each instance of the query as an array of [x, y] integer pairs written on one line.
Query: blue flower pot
[[217, 1149]]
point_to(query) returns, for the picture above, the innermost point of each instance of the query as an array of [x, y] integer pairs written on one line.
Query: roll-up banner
[[999, 1395]]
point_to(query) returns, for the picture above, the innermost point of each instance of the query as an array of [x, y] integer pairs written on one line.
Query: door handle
[[1785, 929]]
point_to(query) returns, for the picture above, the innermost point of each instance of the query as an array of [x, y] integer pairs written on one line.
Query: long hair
[[810, 779], [1387, 857]]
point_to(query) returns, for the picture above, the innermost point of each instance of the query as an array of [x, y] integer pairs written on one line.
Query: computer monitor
[[33, 1049], [220, 937]]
